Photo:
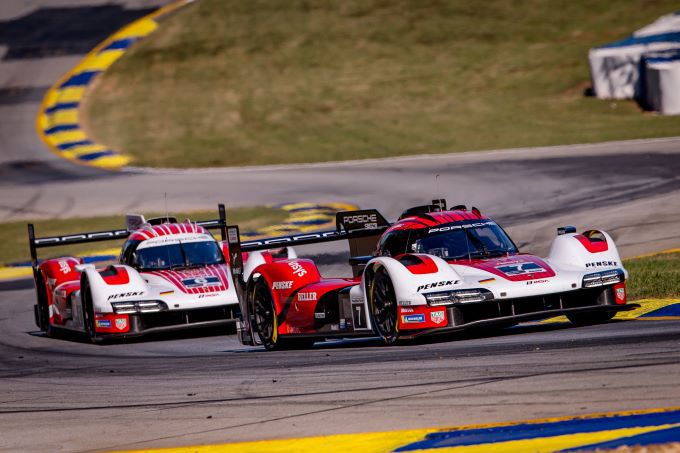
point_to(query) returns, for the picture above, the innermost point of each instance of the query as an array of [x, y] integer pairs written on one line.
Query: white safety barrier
[[661, 78], [617, 70]]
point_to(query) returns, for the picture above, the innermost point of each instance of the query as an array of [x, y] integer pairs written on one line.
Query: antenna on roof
[[167, 214]]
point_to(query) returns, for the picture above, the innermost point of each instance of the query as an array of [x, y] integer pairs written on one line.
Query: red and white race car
[[170, 275], [435, 270]]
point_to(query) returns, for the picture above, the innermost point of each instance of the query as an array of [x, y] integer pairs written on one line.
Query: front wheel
[[265, 322], [42, 313], [588, 319], [383, 307]]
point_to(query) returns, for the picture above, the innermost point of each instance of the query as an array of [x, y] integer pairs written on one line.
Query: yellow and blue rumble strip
[[565, 434], [58, 120]]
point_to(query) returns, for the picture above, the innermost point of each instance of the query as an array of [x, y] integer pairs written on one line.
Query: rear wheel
[[587, 319], [88, 310], [383, 306]]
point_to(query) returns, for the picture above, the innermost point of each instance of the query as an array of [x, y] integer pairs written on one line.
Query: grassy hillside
[[655, 276], [239, 82]]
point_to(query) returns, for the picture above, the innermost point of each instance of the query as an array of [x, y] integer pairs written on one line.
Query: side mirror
[[566, 229]]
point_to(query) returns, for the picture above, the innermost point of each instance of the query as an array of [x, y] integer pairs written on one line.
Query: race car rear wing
[[361, 228], [349, 225], [35, 243]]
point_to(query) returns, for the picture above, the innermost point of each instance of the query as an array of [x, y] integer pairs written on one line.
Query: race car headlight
[[458, 296], [603, 278], [138, 306]]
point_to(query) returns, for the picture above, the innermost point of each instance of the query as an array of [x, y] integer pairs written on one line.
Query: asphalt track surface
[[65, 394]]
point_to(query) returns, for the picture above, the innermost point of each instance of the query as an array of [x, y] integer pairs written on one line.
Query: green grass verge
[[655, 276], [14, 237], [241, 82]]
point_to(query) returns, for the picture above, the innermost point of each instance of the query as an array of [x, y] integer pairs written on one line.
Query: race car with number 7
[[435, 270]]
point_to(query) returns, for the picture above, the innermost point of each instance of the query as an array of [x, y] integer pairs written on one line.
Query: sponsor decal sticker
[[407, 310], [287, 239], [437, 317], [413, 319], [458, 227], [520, 269], [304, 297], [620, 293], [282, 285], [602, 263], [360, 218], [368, 221], [298, 270], [201, 282], [121, 323], [105, 323], [64, 267], [98, 235], [435, 285], [124, 295], [536, 282], [320, 315]]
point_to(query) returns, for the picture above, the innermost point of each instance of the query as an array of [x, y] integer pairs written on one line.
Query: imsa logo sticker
[[520, 269], [201, 282]]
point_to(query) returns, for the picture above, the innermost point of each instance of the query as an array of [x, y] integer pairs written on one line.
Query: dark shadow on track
[[660, 176], [50, 32], [77, 337], [37, 173], [17, 285]]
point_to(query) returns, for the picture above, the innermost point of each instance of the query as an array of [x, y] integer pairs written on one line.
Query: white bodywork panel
[[568, 258]]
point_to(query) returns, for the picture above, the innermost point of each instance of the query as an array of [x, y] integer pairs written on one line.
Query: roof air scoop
[[134, 222], [419, 210], [162, 220]]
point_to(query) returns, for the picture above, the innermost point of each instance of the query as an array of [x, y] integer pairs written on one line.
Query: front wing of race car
[[507, 312], [110, 325], [137, 304]]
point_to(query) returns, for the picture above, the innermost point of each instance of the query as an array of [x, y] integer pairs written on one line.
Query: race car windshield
[[482, 241], [180, 255]]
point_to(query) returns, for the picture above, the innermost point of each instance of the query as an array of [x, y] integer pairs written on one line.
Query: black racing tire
[[265, 323], [88, 310], [590, 318], [383, 307], [43, 313]]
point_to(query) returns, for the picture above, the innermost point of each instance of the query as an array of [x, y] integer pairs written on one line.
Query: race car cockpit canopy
[[450, 234]]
